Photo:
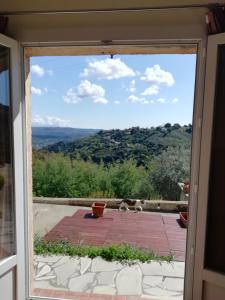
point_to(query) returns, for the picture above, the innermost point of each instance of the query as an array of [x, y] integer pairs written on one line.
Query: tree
[[52, 176], [167, 125], [169, 168]]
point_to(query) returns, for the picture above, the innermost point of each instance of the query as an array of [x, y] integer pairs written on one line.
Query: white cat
[[137, 204]]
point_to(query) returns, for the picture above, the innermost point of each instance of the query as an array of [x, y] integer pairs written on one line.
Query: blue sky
[[100, 92]]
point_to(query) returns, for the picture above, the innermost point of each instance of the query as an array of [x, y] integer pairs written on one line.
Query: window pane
[[215, 240], [7, 247]]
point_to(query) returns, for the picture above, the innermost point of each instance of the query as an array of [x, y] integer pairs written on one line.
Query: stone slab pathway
[[85, 276]]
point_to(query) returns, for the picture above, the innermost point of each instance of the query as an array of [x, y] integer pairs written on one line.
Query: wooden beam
[[110, 49]]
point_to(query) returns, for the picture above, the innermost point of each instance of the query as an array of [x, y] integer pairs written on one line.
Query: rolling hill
[[112, 146], [44, 136]]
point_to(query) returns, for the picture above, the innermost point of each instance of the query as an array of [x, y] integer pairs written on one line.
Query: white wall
[[109, 26], [164, 24]]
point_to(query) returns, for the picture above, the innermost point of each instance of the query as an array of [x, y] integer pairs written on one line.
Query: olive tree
[[171, 167]]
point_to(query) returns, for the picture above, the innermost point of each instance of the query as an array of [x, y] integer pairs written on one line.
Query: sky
[[120, 92]]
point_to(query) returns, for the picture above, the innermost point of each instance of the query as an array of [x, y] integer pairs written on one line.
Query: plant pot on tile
[[98, 209], [184, 218]]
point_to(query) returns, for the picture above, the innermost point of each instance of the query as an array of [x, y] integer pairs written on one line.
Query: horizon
[[96, 92], [67, 127]]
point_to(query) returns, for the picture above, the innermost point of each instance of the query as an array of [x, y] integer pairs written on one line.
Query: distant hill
[[139, 144], [44, 136]]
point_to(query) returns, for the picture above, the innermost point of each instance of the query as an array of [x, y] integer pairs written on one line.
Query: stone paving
[[152, 280]]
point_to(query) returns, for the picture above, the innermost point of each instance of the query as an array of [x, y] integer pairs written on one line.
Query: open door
[[209, 273], [12, 270]]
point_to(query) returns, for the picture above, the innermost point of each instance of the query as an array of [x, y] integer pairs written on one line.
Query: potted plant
[[186, 187], [98, 209], [184, 218]]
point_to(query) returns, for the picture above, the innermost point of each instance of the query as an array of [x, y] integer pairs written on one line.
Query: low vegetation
[[122, 253], [117, 146], [132, 163], [55, 175]]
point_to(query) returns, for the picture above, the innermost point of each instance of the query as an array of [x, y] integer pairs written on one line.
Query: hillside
[[44, 136], [139, 144]]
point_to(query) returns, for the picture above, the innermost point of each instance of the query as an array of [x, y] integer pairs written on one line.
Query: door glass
[[215, 241], [7, 245]]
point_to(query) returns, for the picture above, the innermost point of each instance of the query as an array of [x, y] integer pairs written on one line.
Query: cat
[[137, 204]]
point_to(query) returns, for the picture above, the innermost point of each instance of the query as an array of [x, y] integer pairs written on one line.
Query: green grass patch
[[122, 253]]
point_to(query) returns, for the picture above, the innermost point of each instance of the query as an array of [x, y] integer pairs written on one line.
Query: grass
[[122, 253]]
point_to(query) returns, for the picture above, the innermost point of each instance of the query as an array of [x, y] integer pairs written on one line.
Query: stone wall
[[150, 205]]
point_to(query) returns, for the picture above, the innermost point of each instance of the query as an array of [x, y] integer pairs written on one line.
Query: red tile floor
[[158, 232]]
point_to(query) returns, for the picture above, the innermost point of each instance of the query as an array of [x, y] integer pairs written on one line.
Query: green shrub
[[122, 253], [55, 175], [169, 168]]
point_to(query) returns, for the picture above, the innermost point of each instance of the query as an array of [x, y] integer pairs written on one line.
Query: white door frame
[[16, 261], [200, 272], [196, 138], [195, 163]]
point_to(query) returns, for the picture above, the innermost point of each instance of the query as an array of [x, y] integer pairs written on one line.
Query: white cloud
[[161, 100], [71, 96], [36, 91], [108, 69], [116, 102], [157, 75], [86, 90], [101, 100], [37, 70], [152, 90], [136, 99], [145, 102], [45, 90], [141, 100], [175, 100], [132, 86], [49, 121], [40, 71]]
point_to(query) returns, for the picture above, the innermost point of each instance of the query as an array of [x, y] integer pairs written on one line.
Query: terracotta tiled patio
[[153, 231]]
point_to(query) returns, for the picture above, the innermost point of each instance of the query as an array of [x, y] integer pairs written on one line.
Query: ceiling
[[43, 5]]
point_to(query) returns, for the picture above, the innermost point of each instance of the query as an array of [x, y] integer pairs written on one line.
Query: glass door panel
[[215, 241], [7, 215]]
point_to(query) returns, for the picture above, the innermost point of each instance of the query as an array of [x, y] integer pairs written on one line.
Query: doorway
[[37, 90]]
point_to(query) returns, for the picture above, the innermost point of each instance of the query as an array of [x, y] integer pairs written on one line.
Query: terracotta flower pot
[[98, 209], [184, 218], [186, 188]]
